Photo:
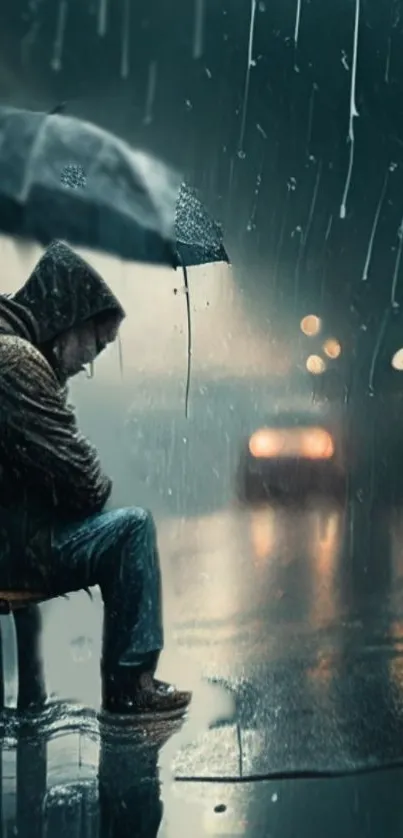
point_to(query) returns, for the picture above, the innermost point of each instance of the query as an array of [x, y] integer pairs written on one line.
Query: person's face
[[80, 346]]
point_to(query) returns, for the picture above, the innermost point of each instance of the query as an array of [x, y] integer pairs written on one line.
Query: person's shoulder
[[16, 353]]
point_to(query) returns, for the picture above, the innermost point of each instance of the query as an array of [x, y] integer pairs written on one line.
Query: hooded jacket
[[48, 471]]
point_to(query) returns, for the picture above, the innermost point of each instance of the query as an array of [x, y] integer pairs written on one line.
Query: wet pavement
[[297, 673]]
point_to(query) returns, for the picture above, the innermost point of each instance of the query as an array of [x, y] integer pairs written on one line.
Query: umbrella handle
[[190, 345]]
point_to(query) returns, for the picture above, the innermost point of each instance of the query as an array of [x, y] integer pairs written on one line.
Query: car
[[292, 455]]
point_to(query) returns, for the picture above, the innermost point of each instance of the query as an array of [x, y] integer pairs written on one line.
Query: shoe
[[145, 697]]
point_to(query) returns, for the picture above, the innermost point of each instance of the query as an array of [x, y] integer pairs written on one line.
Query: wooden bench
[[11, 601], [23, 606]]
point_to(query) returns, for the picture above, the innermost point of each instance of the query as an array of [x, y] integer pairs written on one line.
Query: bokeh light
[[310, 325], [315, 365], [332, 348], [397, 360]]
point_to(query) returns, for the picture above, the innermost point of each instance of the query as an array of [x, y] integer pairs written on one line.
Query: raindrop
[[247, 76], [328, 228], [251, 225], [310, 118], [394, 22], [33, 20], [313, 204], [290, 188], [73, 176], [102, 17], [388, 54], [120, 355], [231, 176], [297, 22], [353, 110], [56, 63], [125, 59], [188, 104], [393, 300], [298, 265], [151, 88], [344, 60], [208, 72], [375, 226], [377, 349], [274, 797], [198, 34], [261, 131]]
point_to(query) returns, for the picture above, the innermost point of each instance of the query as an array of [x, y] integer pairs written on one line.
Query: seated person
[[55, 536]]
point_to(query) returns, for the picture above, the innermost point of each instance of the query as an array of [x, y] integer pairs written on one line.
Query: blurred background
[[278, 499]]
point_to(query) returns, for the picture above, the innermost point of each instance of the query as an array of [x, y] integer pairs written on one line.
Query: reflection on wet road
[[272, 605], [252, 578]]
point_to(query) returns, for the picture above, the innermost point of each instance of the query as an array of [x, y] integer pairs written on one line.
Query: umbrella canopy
[[199, 239], [62, 178]]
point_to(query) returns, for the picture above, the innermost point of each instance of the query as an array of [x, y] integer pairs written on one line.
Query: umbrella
[[63, 178]]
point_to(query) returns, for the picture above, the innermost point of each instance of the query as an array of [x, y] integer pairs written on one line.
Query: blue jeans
[[118, 551]]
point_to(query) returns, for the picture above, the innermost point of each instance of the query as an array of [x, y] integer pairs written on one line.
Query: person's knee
[[138, 518]]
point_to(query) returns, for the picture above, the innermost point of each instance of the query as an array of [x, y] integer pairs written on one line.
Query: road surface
[[295, 668]]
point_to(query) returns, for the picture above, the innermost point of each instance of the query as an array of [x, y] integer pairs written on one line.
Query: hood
[[17, 320], [63, 291]]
